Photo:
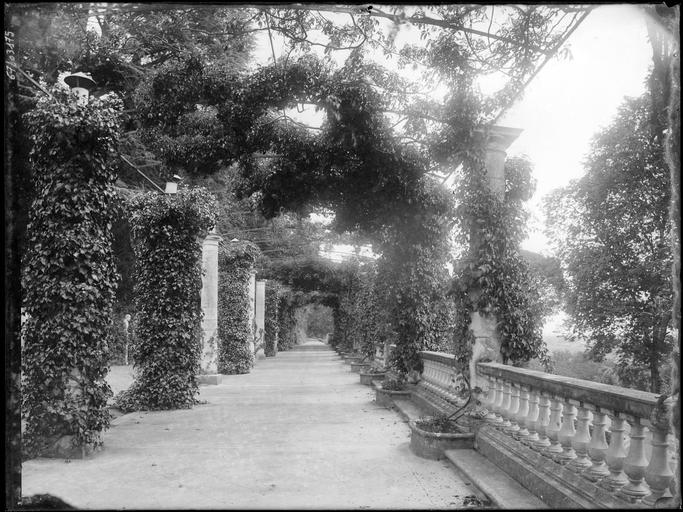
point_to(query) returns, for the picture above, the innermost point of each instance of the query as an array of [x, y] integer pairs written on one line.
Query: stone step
[[501, 489], [409, 410]]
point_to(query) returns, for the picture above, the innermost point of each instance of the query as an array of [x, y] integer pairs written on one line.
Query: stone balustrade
[[439, 375], [595, 430]]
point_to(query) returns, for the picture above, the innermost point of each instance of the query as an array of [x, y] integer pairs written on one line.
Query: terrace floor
[[298, 432]]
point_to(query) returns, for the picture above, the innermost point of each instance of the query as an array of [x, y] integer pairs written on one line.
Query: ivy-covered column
[[168, 276], [210, 302], [69, 276], [235, 302], [486, 342], [272, 318]]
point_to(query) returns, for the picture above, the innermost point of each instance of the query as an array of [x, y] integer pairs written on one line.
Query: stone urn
[[385, 397], [432, 445], [366, 378]]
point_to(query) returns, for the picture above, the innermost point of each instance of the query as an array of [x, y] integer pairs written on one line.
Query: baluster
[[531, 421], [658, 474], [498, 404], [567, 432], [514, 408], [505, 406], [615, 456], [542, 424], [635, 464], [553, 429], [522, 413], [490, 399], [597, 449], [581, 440]]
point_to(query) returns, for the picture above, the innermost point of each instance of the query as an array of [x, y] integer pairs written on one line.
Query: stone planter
[[359, 367], [431, 445], [367, 378], [385, 397]]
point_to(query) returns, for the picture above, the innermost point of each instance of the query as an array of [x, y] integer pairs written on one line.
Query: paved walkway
[[298, 432]]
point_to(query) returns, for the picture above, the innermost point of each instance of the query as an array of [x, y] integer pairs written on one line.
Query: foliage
[[546, 275], [412, 276], [320, 321], [69, 277], [165, 229], [611, 231], [287, 321], [439, 423], [494, 279], [272, 323], [394, 384], [235, 265]]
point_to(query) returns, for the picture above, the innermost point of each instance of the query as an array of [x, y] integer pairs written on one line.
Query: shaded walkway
[[298, 432]]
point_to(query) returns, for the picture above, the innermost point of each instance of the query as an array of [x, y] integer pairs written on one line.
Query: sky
[[569, 101]]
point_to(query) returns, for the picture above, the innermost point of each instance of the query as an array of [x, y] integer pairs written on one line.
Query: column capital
[[500, 138], [213, 237]]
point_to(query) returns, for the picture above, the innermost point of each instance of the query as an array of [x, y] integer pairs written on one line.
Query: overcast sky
[[569, 101]]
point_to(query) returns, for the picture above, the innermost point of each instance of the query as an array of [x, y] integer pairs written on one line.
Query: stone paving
[[298, 432]]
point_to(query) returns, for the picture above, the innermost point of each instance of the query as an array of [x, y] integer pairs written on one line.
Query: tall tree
[[611, 230]]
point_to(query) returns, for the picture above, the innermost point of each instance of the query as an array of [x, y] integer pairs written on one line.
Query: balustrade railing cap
[[633, 402]]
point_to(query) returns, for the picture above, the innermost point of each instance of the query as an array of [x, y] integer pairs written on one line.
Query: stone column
[[252, 307], [209, 300], [260, 315], [487, 344]]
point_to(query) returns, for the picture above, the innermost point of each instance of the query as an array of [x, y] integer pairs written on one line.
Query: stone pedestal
[[209, 301], [260, 311]]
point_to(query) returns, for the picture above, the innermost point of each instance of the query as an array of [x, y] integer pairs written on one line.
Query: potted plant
[[389, 389], [430, 437], [375, 372]]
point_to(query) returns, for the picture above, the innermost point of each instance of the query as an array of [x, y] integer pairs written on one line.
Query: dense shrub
[[69, 276], [166, 229], [235, 264], [287, 321], [271, 327]]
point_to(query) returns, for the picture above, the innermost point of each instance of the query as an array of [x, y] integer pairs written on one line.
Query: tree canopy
[[611, 229]]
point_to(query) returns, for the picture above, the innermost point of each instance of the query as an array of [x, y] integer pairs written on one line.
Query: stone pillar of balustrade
[[567, 432], [487, 344], [554, 427], [505, 406], [491, 398], [581, 440], [542, 424], [531, 420], [209, 303], [498, 404], [522, 412], [597, 449], [658, 474], [513, 410], [635, 464], [616, 455]]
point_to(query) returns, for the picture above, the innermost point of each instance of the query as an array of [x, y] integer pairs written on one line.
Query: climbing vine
[[493, 279], [235, 264], [69, 275], [166, 229], [271, 328]]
